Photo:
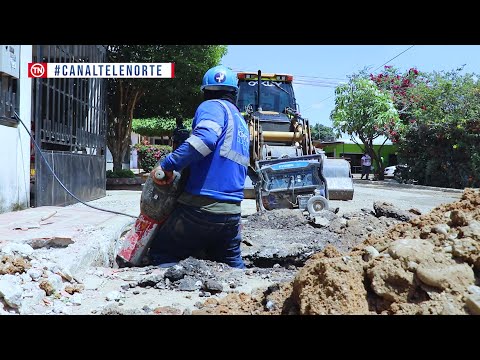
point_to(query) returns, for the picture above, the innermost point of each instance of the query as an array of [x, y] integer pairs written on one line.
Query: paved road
[[366, 194], [404, 198]]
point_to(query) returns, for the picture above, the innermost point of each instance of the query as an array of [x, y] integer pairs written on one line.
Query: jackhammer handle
[[159, 174]]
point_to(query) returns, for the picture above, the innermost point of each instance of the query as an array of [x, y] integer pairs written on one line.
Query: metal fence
[[8, 100], [69, 117]]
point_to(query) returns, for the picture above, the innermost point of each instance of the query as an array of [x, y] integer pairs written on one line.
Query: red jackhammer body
[[156, 203]]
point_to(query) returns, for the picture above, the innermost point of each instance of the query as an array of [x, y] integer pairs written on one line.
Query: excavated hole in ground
[[286, 238]]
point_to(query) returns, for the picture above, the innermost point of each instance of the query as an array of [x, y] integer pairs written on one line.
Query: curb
[[126, 181], [406, 186], [135, 183], [97, 246]]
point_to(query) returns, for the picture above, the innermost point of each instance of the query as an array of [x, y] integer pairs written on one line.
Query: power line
[[320, 82], [394, 58], [321, 77], [373, 71], [318, 102], [316, 85], [305, 77]]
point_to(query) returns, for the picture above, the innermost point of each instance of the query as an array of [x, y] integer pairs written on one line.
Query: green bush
[[124, 173], [149, 155], [157, 126], [443, 155], [439, 140]]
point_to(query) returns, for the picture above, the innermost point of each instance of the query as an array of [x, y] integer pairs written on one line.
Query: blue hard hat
[[219, 78]]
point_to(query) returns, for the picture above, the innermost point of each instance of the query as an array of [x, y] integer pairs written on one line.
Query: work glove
[[161, 176]]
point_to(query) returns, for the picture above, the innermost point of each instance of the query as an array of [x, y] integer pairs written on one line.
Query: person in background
[[366, 163], [206, 221], [179, 135]]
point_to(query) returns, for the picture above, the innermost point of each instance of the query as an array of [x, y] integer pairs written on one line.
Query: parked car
[[390, 171]]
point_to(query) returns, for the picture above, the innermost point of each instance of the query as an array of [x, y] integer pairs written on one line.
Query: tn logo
[[219, 77]]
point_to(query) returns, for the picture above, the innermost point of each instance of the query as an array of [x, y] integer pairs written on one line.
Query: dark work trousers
[[365, 171], [191, 232]]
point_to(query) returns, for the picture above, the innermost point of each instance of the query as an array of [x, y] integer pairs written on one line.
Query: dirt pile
[[429, 265], [330, 284], [275, 300], [354, 228]]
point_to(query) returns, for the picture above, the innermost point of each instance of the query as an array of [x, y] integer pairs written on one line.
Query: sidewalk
[[393, 183], [76, 236]]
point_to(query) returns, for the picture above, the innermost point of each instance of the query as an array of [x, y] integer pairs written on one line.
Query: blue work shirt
[[217, 152]]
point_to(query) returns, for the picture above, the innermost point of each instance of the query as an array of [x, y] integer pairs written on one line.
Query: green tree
[[157, 126], [166, 98], [322, 133], [179, 97], [402, 87], [440, 142], [363, 110]]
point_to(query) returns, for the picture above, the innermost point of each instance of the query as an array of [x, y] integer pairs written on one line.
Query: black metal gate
[[69, 120]]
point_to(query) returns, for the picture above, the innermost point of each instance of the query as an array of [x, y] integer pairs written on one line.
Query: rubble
[[113, 296], [17, 249], [188, 284], [13, 264], [363, 262], [300, 237], [428, 265], [212, 286], [11, 291], [30, 285], [387, 209]]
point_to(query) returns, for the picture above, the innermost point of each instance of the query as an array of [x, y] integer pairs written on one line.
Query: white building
[[15, 93], [68, 120]]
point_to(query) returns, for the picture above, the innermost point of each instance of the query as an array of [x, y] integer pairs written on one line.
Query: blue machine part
[[291, 175], [289, 165], [289, 183]]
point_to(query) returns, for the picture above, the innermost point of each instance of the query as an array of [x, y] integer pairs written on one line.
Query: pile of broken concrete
[[30, 285]]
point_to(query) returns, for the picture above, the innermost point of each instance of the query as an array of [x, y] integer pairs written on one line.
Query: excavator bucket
[[338, 175]]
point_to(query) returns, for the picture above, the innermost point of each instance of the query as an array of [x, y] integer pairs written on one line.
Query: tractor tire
[[316, 204]]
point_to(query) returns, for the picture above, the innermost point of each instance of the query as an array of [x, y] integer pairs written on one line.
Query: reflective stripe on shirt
[[226, 148], [209, 124], [198, 145]]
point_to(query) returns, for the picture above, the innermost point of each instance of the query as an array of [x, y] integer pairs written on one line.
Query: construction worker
[[206, 221]]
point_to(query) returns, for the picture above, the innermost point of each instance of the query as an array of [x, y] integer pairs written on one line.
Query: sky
[[327, 65]]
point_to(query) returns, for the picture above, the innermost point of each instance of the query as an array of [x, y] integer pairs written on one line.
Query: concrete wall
[[15, 147], [339, 149]]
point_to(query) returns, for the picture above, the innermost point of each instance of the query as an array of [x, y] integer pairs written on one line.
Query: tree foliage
[[157, 126], [441, 141], [364, 110], [437, 126], [401, 88], [322, 133], [164, 98], [179, 97]]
